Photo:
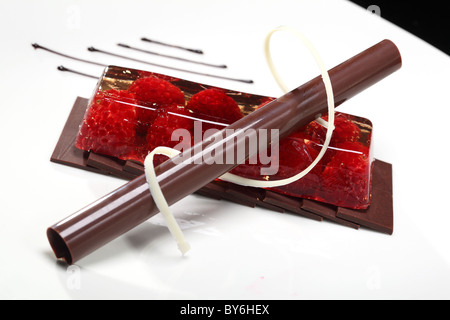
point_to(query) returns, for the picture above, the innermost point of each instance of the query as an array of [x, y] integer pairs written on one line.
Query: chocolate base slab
[[378, 216]]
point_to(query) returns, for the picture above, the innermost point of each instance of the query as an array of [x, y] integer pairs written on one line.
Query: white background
[[237, 252]]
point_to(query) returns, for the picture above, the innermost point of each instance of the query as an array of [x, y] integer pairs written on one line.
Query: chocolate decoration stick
[[92, 49], [172, 45], [123, 209]]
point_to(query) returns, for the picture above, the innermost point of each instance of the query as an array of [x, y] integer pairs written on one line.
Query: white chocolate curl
[[329, 125], [155, 189], [159, 198]]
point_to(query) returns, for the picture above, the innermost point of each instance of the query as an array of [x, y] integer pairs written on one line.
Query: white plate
[[237, 252]]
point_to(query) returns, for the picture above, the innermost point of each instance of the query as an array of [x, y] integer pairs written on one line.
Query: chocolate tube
[[128, 206]]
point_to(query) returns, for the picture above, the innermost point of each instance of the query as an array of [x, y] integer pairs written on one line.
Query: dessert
[[129, 117], [123, 209], [378, 216]]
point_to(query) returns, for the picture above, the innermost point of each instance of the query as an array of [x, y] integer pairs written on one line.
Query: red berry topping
[[345, 178], [344, 129], [156, 92], [153, 93], [296, 154], [341, 177], [109, 124], [214, 105], [166, 121]]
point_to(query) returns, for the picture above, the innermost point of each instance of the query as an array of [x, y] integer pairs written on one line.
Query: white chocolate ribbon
[[159, 198], [155, 189], [329, 125]]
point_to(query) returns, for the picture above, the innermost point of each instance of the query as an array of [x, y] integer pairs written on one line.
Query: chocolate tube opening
[[59, 246]]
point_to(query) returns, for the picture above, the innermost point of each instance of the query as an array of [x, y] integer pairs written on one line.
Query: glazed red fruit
[[156, 92], [340, 177], [166, 121], [344, 129], [153, 93], [214, 105], [109, 124], [345, 176], [296, 153]]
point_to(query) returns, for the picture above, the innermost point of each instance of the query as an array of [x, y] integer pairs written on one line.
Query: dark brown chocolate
[[326, 211], [128, 206], [288, 203], [109, 164]]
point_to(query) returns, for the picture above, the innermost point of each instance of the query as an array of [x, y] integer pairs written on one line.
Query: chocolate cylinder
[[128, 206]]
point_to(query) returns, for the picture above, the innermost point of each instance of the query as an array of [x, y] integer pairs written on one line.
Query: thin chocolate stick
[[172, 45], [37, 46], [92, 49], [62, 68], [172, 57]]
